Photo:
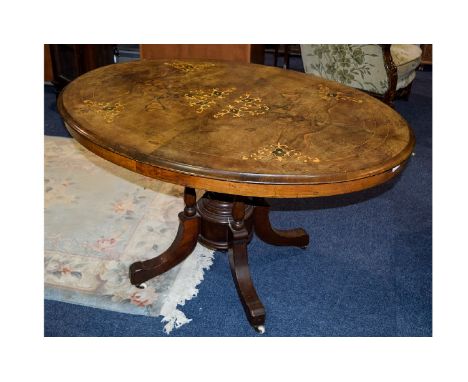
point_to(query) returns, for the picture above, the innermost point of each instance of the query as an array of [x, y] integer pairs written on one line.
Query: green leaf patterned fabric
[[358, 66], [361, 66]]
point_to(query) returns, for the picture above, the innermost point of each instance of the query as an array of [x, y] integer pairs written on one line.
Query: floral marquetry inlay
[[280, 152], [243, 106], [327, 94], [189, 67], [107, 110], [203, 100]]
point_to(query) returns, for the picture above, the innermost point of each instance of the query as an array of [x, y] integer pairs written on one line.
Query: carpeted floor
[[367, 271]]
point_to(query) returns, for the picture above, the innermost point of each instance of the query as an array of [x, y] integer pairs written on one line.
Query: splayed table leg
[[238, 260], [183, 245], [263, 229]]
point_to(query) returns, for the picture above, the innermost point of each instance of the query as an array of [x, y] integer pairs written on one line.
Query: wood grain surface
[[236, 128], [223, 52]]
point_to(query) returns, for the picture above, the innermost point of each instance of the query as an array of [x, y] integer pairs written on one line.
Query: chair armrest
[[392, 73]]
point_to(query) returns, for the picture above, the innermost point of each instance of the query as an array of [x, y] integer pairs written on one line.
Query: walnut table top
[[234, 128]]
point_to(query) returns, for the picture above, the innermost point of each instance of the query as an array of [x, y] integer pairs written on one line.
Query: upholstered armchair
[[385, 71]]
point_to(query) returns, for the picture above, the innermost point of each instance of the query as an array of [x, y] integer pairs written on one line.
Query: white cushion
[[404, 53], [407, 58]]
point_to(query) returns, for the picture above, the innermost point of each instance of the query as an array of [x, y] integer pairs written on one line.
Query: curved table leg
[[262, 225], [238, 260], [183, 245]]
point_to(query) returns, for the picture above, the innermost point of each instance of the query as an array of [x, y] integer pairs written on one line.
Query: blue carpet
[[53, 123], [366, 272]]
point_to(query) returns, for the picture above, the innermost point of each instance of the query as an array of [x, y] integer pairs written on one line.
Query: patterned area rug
[[99, 218]]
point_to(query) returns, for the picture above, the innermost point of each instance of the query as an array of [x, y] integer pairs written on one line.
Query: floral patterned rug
[[99, 218]]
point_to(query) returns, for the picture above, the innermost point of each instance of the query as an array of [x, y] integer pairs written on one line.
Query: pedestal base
[[223, 222], [215, 211]]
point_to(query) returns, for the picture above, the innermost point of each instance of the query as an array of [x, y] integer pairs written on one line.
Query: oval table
[[241, 132]]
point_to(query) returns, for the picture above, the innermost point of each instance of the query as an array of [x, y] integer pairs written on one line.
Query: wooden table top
[[236, 128]]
